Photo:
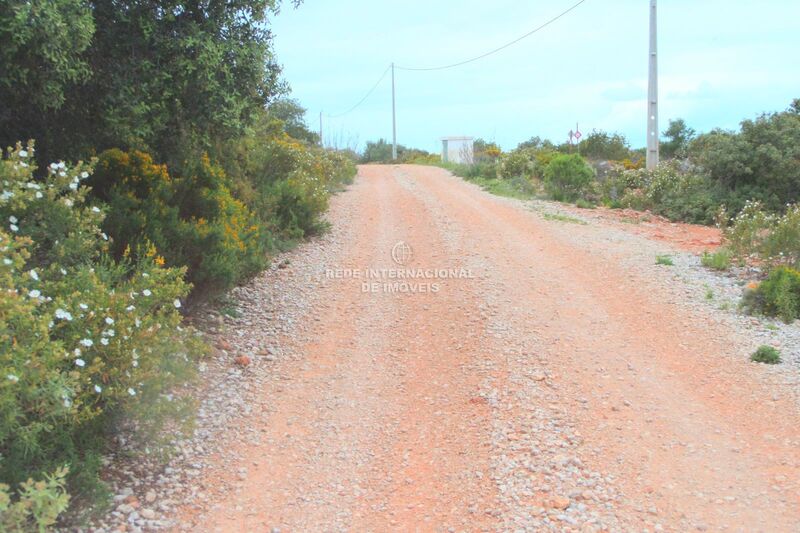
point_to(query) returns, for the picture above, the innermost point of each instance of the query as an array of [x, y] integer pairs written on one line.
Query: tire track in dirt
[[555, 390]]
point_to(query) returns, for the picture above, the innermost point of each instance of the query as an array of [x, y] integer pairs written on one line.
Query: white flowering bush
[[85, 342], [760, 234]]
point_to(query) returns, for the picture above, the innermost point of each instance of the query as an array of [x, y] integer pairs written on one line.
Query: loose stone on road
[[506, 372]]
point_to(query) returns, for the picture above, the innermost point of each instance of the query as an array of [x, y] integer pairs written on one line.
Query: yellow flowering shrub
[[192, 220]]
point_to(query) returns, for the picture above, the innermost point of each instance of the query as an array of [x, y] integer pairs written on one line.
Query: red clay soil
[[437, 411]]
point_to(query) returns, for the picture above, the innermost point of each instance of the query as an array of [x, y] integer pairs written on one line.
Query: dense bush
[[192, 221], [568, 177], [170, 78], [778, 295], [599, 145], [517, 163], [767, 355], [285, 182], [84, 340], [760, 162], [668, 192]]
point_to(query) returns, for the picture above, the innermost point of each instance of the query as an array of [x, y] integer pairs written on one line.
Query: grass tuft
[[719, 260]]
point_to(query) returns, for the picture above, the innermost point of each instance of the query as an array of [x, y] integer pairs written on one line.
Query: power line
[[515, 41], [372, 90]]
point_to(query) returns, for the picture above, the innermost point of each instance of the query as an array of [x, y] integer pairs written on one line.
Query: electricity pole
[[394, 123], [652, 92]]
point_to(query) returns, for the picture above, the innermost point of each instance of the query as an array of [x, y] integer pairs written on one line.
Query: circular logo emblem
[[401, 253]]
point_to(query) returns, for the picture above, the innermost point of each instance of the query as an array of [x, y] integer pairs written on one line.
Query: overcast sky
[[720, 62]]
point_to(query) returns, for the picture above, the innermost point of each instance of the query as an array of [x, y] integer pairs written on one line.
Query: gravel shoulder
[[567, 382]]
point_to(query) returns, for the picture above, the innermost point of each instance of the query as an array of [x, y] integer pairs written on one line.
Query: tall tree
[[42, 45], [678, 136], [170, 77]]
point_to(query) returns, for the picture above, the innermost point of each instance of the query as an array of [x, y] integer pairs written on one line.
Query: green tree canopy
[[169, 77], [678, 136], [606, 146]]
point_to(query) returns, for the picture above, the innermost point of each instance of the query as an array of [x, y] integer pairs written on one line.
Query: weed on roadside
[[767, 355], [563, 218], [665, 260], [719, 260]]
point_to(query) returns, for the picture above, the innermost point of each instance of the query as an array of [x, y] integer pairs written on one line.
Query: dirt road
[[527, 377]]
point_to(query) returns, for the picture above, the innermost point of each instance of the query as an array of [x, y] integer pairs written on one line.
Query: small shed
[[457, 150]]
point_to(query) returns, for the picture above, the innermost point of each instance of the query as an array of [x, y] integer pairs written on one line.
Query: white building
[[457, 150]]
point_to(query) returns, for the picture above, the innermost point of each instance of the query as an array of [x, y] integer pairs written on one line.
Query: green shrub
[[767, 355], [761, 161], [192, 221], [269, 169], [38, 503], [517, 163], [86, 343], [668, 192], [779, 294], [568, 177], [719, 260]]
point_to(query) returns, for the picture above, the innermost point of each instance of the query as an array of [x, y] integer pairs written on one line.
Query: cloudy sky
[[720, 62]]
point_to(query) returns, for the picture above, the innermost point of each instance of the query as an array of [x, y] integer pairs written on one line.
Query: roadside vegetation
[[747, 182], [168, 164]]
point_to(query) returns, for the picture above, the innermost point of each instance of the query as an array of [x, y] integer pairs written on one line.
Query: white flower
[[63, 272], [68, 202], [34, 293], [131, 391], [7, 261], [73, 185], [12, 378], [23, 153], [137, 322], [53, 166], [95, 209], [87, 342], [38, 195], [105, 237], [61, 165], [109, 333], [147, 292], [83, 306], [63, 315], [84, 174], [34, 275], [13, 219], [13, 227], [98, 389], [104, 341], [177, 303], [77, 352], [67, 402], [135, 364], [109, 320], [130, 308], [80, 362]]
